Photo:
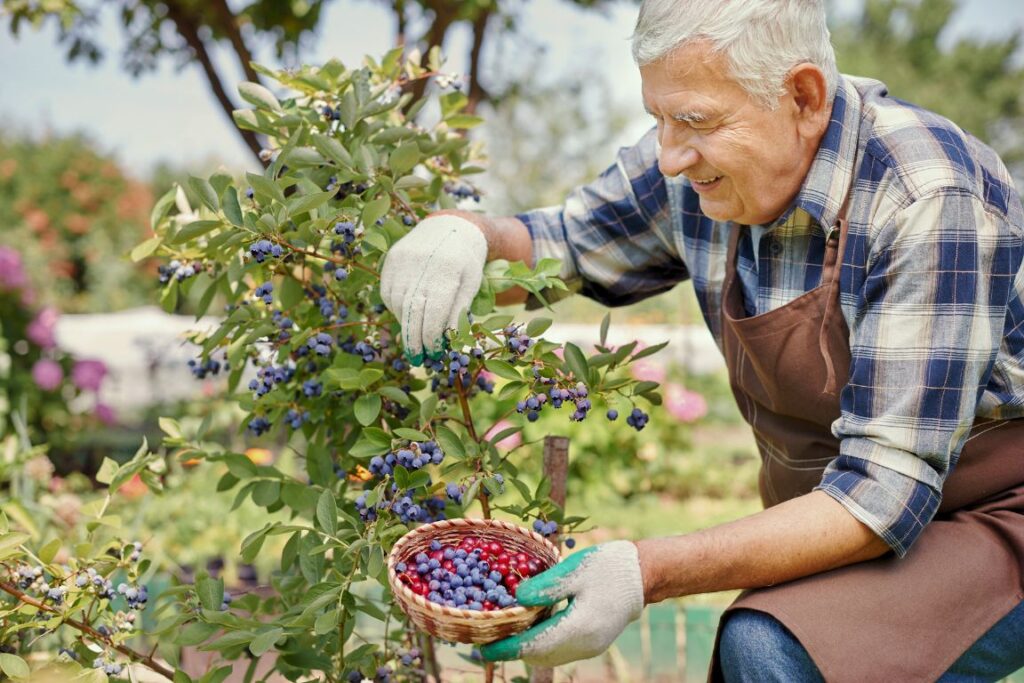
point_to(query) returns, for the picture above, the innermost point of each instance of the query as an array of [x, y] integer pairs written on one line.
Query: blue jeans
[[756, 647]]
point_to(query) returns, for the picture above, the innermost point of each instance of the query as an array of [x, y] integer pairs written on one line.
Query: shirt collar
[[829, 178]]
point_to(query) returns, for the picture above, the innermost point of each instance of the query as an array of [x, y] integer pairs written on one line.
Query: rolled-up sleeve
[[613, 236], [930, 321]]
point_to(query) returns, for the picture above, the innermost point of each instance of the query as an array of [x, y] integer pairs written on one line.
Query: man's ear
[[805, 83]]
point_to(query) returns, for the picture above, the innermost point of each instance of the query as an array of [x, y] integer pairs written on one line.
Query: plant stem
[[87, 630]]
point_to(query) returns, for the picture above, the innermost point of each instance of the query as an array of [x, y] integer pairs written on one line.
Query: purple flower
[[12, 273], [106, 414], [42, 330], [88, 374], [47, 374]]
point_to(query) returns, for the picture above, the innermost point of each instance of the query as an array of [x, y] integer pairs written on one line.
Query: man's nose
[[676, 159], [676, 155]]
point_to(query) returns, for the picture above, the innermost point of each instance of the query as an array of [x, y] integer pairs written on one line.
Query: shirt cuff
[[894, 505]]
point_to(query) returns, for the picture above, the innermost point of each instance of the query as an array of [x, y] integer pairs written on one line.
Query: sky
[[171, 116]]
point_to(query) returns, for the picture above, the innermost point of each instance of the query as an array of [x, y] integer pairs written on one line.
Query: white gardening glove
[[605, 591], [429, 277]]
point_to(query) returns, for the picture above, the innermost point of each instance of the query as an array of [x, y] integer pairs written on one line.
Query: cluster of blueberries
[[267, 376], [637, 419], [296, 418], [344, 189], [462, 191], [311, 388], [258, 425], [200, 368], [320, 343], [578, 394], [462, 577], [284, 324], [261, 249], [110, 667], [382, 675], [178, 270], [458, 372], [265, 292], [412, 458], [402, 504], [518, 342], [545, 529]]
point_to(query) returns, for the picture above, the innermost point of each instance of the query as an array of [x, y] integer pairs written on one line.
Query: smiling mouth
[[706, 182]]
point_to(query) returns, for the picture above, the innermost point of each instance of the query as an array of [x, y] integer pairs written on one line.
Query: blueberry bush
[[373, 445]]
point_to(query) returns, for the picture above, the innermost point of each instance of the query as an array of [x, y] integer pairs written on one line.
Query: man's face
[[746, 163]]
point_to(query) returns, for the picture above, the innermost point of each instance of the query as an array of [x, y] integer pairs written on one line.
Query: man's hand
[[605, 592], [429, 277]]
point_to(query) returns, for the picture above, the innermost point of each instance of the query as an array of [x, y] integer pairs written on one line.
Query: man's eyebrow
[[684, 116]]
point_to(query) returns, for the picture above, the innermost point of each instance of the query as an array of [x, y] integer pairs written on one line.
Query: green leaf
[[10, 541], [162, 207], [170, 427], [605, 322], [409, 182], [463, 121], [256, 94], [411, 434], [265, 641], [232, 209], [195, 229], [449, 441], [326, 622], [204, 190], [427, 408], [195, 633], [367, 408], [502, 369], [14, 666], [327, 512], [644, 387], [404, 158], [107, 471], [649, 351], [265, 187], [576, 362], [374, 210], [291, 292], [266, 493], [49, 551], [333, 150], [210, 592], [306, 203], [145, 249], [369, 376], [511, 389], [240, 466], [538, 326], [395, 394]]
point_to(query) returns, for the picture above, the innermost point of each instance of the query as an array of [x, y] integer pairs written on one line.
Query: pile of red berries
[[477, 574]]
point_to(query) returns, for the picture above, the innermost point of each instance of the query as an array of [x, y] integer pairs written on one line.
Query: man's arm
[[800, 537], [507, 238]]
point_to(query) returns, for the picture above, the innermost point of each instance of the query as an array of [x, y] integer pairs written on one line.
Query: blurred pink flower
[[488, 375], [42, 330], [88, 374], [106, 414], [12, 273], [509, 442], [648, 371], [47, 374], [683, 404]]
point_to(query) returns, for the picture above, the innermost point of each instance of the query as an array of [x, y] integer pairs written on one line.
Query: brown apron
[[886, 619]]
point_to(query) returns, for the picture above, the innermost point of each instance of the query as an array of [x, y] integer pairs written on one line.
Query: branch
[[91, 633], [189, 31], [445, 13], [476, 92], [229, 22]]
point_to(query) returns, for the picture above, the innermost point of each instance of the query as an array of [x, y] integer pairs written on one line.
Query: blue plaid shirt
[[932, 286]]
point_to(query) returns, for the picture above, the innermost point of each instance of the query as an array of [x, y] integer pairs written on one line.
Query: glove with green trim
[[429, 277], [605, 591]]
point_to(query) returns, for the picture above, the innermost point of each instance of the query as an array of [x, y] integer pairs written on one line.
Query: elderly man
[[858, 261]]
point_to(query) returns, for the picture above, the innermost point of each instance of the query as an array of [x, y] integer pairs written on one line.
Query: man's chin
[[716, 211]]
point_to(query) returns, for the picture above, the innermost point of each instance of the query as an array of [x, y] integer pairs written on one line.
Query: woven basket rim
[[461, 523]]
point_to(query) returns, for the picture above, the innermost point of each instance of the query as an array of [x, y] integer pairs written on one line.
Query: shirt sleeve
[[613, 236], [929, 326]]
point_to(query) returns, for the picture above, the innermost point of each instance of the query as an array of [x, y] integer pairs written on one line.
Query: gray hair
[[761, 39]]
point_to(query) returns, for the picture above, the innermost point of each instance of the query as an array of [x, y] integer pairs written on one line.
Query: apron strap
[[835, 247]]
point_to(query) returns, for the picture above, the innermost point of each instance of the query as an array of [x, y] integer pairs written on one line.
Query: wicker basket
[[463, 625]]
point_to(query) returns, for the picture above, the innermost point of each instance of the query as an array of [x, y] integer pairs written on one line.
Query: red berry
[[522, 558], [419, 588], [437, 555], [494, 547], [533, 567], [484, 555], [503, 557], [501, 568], [448, 565], [488, 605], [511, 583]]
